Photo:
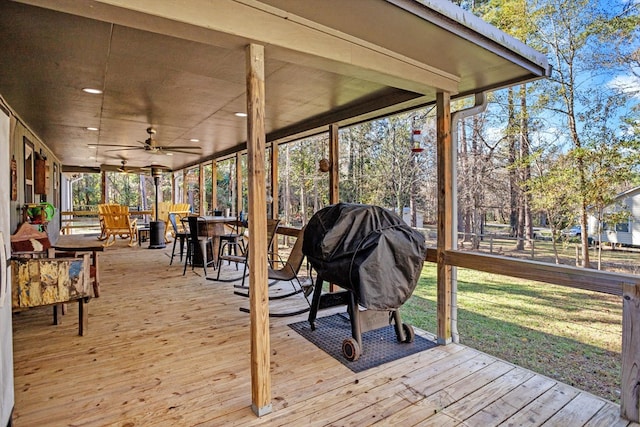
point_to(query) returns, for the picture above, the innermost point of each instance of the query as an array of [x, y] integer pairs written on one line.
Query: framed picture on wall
[[56, 185], [4, 281], [28, 171], [56, 180], [14, 179]]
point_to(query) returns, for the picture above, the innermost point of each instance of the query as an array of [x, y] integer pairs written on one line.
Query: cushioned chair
[[198, 242]]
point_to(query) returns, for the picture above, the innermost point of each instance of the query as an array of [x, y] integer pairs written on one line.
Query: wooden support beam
[[201, 190], [334, 182], [275, 196], [445, 163], [185, 187], [214, 185], [239, 204], [174, 189], [259, 290], [630, 389], [103, 187]]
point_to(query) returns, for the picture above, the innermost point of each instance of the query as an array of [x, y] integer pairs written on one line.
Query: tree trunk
[[287, 188], [303, 205], [526, 168], [513, 177], [464, 186]]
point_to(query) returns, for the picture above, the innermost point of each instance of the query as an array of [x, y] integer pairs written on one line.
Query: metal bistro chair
[[181, 235], [233, 242], [272, 225], [197, 243]]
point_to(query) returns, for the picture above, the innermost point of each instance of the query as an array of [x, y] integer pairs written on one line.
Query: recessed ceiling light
[[241, 114], [169, 154], [92, 145], [92, 90], [92, 158], [194, 140], [92, 128]]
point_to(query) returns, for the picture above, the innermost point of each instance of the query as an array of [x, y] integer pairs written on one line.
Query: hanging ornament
[[324, 165], [417, 141]]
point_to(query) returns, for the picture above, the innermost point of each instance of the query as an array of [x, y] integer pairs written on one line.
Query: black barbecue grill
[[373, 255]]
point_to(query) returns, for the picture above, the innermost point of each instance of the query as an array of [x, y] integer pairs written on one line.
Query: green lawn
[[568, 334]]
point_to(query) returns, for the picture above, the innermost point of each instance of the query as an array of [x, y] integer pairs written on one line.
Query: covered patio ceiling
[[179, 67]]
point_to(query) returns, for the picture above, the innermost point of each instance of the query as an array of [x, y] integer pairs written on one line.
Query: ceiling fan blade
[[125, 149], [180, 147], [112, 145], [126, 169], [180, 151]]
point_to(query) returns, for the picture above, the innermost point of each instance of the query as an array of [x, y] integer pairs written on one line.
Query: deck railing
[[88, 220], [625, 285]]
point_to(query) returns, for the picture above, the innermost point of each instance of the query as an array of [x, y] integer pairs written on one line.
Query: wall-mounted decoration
[[56, 177], [40, 179], [56, 185], [28, 171], [4, 282], [14, 179]]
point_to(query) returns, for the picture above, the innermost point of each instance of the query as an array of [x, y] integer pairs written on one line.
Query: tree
[[355, 147], [516, 18], [86, 192], [553, 191], [572, 31], [394, 166]]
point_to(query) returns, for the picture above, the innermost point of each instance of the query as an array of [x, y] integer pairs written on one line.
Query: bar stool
[[182, 236], [232, 241], [197, 243]]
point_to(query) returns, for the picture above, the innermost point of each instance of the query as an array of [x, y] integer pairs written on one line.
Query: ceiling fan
[[151, 145], [123, 168]]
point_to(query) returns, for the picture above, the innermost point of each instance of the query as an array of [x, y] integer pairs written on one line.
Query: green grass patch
[[568, 334]]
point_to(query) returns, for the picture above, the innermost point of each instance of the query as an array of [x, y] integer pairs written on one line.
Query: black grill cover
[[368, 250]]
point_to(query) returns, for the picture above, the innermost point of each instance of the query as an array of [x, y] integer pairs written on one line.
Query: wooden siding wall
[[18, 131]]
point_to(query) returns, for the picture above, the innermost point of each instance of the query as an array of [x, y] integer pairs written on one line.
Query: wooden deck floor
[[164, 349]]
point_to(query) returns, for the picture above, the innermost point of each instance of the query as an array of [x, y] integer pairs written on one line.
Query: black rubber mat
[[379, 345]]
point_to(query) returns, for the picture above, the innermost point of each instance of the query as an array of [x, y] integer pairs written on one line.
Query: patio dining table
[[215, 226]]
